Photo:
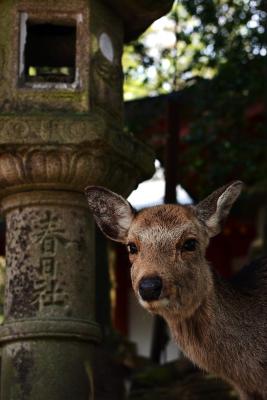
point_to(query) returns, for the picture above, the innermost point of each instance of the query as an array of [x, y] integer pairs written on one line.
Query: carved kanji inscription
[[48, 289]]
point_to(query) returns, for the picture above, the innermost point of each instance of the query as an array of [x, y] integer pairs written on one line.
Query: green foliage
[[227, 137], [160, 61], [224, 40], [195, 40]]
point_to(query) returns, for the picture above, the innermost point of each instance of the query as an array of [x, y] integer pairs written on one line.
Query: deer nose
[[150, 288]]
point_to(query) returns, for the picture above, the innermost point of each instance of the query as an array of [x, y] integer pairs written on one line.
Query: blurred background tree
[[215, 50], [197, 39]]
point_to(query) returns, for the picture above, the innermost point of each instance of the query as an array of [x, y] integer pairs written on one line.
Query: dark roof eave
[[138, 15]]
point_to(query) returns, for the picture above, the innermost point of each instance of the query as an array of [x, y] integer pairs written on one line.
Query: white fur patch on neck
[[156, 304]]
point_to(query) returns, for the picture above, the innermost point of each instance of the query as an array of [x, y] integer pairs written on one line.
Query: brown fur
[[220, 325]]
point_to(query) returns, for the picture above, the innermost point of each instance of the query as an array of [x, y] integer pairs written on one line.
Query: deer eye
[[189, 245], [132, 248]]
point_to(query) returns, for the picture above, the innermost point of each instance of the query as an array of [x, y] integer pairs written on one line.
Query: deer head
[[166, 245]]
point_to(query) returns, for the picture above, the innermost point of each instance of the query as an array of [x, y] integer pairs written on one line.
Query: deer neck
[[203, 336]]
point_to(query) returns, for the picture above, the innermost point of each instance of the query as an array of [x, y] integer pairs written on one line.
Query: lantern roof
[[139, 14]]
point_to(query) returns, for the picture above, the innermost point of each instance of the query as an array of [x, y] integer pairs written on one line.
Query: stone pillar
[[49, 302], [49, 330]]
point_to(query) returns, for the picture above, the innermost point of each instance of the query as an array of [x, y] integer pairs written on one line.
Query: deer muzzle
[[150, 288]]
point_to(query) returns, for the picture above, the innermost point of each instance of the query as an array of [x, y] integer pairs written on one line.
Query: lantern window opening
[[48, 52]]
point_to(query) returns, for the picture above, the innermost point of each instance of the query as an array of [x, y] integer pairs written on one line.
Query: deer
[[219, 324]]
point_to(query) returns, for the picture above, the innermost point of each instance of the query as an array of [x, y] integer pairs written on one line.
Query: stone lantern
[[61, 129]]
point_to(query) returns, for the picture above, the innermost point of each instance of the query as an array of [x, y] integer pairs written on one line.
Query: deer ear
[[214, 209], [113, 214]]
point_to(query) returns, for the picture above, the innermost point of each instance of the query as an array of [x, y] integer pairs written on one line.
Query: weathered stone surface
[[49, 266], [92, 69], [47, 369], [21, 96], [70, 167], [86, 114], [49, 300]]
